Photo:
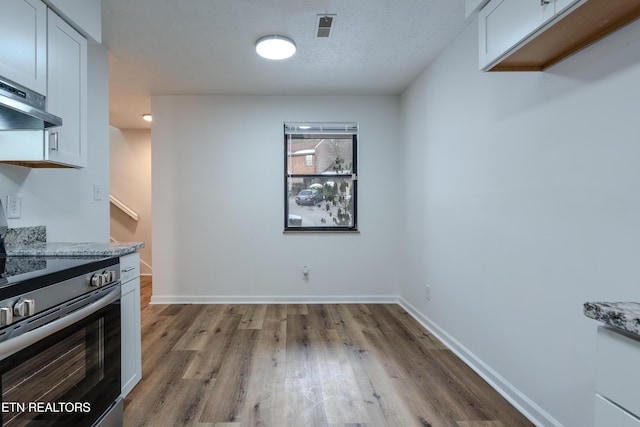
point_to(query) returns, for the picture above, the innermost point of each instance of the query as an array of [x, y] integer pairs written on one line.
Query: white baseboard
[[526, 406], [209, 299]]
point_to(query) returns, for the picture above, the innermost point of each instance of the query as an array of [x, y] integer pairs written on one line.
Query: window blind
[[299, 128]]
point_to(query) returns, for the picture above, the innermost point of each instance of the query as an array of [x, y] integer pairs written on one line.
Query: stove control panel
[[24, 307], [79, 277], [101, 279]]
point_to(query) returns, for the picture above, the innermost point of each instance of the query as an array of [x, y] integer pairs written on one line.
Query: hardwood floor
[[145, 291], [303, 365]]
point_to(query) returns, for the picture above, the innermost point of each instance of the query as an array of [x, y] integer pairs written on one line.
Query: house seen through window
[[320, 176]]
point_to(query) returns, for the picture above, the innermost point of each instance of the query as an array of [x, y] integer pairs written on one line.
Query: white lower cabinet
[[609, 415], [617, 379], [130, 322]]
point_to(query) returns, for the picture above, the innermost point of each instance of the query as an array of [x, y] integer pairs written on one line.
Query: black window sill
[[321, 231]]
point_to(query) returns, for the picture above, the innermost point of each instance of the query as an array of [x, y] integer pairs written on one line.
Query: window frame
[[310, 130]]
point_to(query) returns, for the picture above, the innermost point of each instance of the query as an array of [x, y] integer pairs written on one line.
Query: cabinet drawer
[[129, 267], [618, 374], [608, 414]]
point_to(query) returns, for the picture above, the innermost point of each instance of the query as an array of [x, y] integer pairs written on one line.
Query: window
[[321, 176]]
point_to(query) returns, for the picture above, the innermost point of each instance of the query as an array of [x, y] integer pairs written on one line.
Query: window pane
[[320, 156], [321, 201], [321, 176]]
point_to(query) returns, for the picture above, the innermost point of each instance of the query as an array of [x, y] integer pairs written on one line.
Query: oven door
[[66, 372]]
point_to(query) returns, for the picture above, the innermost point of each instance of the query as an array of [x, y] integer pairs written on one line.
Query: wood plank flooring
[[303, 365]]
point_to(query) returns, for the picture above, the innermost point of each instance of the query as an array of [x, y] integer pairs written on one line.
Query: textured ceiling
[[170, 47]]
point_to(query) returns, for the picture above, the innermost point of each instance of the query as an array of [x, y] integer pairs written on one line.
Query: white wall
[[218, 208], [130, 172], [62, 199], [524, 205]]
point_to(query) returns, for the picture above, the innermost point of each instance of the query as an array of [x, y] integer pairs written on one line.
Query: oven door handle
[[15, 344]]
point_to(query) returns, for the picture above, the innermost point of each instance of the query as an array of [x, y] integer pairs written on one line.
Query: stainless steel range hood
[[21, 108]]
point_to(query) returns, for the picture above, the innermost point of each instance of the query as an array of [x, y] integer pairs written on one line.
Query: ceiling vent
[[324, 25]]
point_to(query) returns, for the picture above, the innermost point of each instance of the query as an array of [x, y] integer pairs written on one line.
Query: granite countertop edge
[[622, 315], [62, 249]]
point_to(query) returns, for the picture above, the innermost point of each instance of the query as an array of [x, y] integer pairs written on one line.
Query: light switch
[[97, 192]]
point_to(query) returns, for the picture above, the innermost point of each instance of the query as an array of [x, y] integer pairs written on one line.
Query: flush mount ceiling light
[[275, 47], [147, 117]]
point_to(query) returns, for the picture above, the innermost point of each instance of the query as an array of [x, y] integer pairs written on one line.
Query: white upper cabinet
[[472, 6], [84, 15], [44, 53], [67, 97], [504, 23], [23, 50], [561, 5], [532, 35]]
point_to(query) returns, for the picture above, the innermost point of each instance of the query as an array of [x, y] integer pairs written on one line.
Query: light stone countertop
[[61, 249], [623, 315]]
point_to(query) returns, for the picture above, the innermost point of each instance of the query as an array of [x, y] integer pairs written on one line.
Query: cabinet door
[[504, 23], [131, 336], [84, 15], [23, 50], [617, 376], [130, 318], [67, 96], [608, 415]]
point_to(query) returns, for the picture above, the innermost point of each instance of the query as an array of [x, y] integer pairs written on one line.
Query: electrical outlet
[[427, 292], [305, 272], [14, 207]]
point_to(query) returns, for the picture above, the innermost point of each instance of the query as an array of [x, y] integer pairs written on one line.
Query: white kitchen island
[[618, 344]]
